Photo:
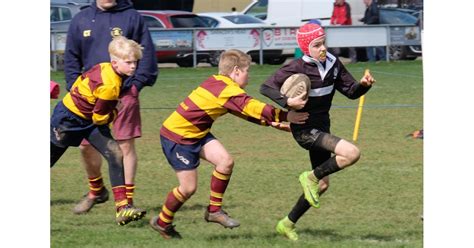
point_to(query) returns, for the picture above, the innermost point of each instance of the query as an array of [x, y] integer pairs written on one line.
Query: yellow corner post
[[358, 117], [359, 113]]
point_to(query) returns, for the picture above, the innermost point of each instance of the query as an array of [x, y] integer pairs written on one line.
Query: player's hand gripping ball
[[296, 85]]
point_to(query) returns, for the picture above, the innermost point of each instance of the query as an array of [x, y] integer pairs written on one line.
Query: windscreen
[[187, 21], [242, 19]]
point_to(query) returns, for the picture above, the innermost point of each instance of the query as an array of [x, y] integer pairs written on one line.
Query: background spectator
[[341, 15], [371, 16]]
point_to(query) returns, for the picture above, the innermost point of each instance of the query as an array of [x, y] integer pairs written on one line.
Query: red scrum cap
[[307, 33]]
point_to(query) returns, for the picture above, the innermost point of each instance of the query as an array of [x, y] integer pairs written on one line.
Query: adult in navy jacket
[[89, 34]]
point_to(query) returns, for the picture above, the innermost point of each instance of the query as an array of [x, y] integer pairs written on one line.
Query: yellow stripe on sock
[[214, 203], [121, 203], [217, 195], [130, 187], [221, 176], [120, 186], [95, 179], [178, 195], [164, 219], [167, 211], [95, 189]]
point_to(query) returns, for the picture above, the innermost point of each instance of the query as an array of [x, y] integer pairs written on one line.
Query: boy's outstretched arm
[[281, 126], [247, 106]]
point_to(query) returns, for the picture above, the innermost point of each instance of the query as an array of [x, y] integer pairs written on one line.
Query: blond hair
[[123, 48], [231, 58]]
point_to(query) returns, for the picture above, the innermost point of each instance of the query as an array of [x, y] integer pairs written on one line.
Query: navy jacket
[[90, 33], [371, 15]]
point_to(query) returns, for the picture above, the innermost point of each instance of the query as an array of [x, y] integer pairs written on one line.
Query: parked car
[[390, 15], [60, 15], [400, 16], [230, 20], [168, 19], [237, 20]]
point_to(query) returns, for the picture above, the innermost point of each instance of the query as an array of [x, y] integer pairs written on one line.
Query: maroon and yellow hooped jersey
[[216, 96], [94, 94]]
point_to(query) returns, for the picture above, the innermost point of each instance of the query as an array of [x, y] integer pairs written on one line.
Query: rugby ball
[[296, 85]]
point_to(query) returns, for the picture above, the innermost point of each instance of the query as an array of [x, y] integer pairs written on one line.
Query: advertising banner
[[172, 39], [245, 39]]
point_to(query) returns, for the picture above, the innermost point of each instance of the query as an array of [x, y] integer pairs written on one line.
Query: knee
[[86, 149], [350, 156], [90, 156], [225, 165], [353, 155], [127, 146], [188, 190]]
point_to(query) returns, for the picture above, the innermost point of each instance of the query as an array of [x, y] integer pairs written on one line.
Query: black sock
[[327, 168], [299, 209]]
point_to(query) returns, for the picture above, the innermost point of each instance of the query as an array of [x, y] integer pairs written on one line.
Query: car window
[[242, 19], [60, 14], [396, 17], [187, 21], [152, 22], [211, 22], [259, 10]]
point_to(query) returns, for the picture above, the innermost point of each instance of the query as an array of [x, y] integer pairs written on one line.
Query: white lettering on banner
[[321, 91]]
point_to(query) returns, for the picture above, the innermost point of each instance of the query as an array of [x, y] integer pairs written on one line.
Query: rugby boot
[[87, 203], [222, 218], [128, 214], [310, 189], [167, 232], [287, 228]]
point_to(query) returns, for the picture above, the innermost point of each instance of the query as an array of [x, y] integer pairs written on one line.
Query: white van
[[298, 12]]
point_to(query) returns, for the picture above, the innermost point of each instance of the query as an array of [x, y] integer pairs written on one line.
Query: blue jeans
[[376, 53]]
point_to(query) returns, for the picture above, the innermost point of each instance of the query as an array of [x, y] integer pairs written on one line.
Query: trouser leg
[[103, 141], [55, 153]]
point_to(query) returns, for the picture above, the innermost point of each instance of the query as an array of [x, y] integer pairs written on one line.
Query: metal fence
[[194, 41]]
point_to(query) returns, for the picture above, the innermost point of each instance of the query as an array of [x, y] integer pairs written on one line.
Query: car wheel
[[397, 52], [214, 58], [276, 61], [185, 63]]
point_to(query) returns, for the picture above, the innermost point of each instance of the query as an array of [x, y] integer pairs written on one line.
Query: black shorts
[[320, 144], [68, 129]]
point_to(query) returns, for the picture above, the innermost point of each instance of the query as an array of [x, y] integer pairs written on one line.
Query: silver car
[[61, 14]]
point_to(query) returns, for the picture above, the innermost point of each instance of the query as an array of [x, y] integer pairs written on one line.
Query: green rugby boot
[[128, 214], [287, 228], [310, 189]]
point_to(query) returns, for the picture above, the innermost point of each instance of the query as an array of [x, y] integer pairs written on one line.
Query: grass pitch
[[375, 203]]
